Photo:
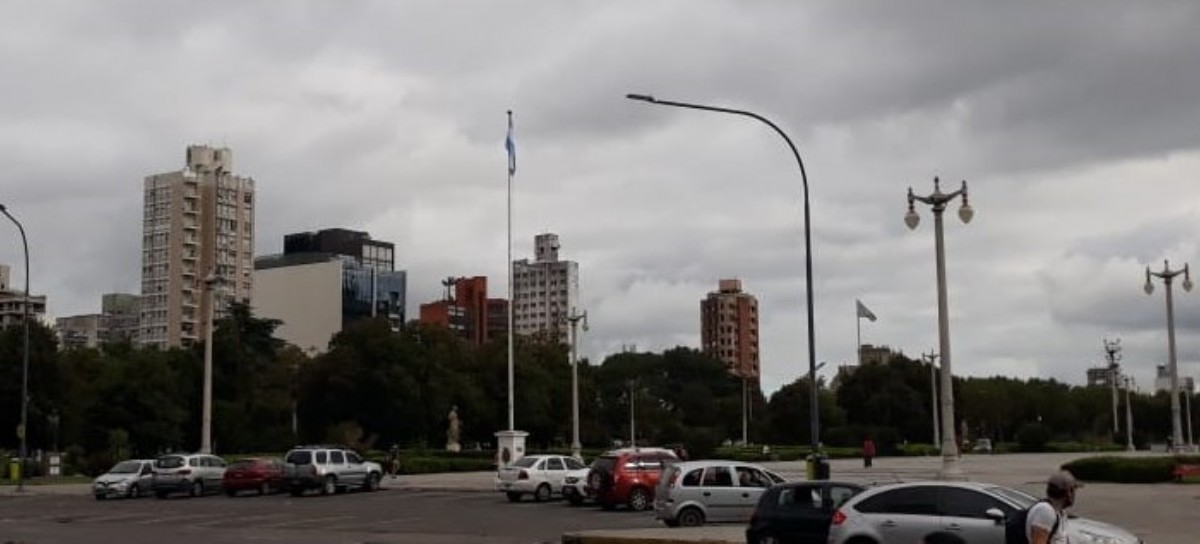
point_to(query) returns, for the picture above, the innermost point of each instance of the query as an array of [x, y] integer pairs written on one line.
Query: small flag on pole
[[863, 311], [511, 146]]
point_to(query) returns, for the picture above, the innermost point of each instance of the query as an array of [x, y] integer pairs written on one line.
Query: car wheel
[[639, 499], [690, 517], [134, 492], [264, 489], [513, 496], [542, 494], [330, 486], [197, 489], [160, 494], [372, 482], [671, 522]]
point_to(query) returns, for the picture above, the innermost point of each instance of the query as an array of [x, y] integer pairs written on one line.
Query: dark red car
[[256, 474], [628, 476]]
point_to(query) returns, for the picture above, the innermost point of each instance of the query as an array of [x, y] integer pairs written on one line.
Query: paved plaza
[[443, 508]]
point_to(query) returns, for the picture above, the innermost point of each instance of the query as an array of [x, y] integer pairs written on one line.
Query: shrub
[[1032, 437], [1128, 470]]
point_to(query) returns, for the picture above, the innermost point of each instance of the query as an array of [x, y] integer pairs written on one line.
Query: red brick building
[[729, 328], [468, 310]]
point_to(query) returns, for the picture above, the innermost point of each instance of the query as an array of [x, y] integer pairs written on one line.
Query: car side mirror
[[995, 514]]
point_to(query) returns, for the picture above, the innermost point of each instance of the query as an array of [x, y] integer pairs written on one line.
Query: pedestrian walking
[[1046, 521], [393, 460], [868, 451]]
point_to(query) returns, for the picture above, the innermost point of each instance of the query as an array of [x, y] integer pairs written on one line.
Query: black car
[[798, 512]]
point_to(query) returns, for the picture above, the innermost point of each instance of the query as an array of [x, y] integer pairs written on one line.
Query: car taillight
[[838, 518], [674, 478], [523, 475], [184, 471]]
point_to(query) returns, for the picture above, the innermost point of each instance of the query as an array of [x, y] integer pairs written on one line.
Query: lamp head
[[1149, 288], [966, 212], [911, 218], [1187, 278], [640, 97]]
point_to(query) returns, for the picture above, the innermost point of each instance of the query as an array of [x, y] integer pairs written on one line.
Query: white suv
[[195, 474], [330, 469]]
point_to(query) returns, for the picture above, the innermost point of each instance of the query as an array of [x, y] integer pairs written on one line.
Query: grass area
[[1130, 470]]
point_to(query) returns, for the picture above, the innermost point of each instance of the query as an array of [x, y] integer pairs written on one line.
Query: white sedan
[[539, 475]]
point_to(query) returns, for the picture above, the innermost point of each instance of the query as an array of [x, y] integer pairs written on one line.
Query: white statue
[[454, 432]]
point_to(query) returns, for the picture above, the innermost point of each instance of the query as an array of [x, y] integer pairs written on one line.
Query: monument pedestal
[[510, 446]]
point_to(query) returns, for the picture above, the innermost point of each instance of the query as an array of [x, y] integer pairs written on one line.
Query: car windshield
[[1020, 498], [525, 462], [126, 467], [299, 458], [170, 461]]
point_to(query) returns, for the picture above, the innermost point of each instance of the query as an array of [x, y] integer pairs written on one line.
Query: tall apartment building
[[196, 221], [120, 310], [729, 328], [468, 310], [12, 302], [544, 290], [326, 280]]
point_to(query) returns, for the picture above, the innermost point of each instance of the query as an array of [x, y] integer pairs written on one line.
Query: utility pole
[[574, 318], [933, 389], [1112, 350], [1128, 381]]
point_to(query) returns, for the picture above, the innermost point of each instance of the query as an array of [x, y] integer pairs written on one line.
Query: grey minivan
[[690, 494]]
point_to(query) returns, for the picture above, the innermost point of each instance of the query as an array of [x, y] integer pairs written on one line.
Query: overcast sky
[[1076, 125]]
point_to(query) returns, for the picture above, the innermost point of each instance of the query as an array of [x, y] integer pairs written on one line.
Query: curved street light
[[812, 357], [938, 201], [1167, 275], [24, 354]]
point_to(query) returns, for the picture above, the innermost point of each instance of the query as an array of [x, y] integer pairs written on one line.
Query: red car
[[628, 476], [256, 474]]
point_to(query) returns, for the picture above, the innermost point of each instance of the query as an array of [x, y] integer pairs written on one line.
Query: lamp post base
[[951, 469], [510, 446], [577, 450]]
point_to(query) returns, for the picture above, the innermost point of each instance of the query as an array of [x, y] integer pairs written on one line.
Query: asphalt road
[[435, 517]]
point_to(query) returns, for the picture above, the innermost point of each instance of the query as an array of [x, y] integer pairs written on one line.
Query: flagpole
[[511, 302]]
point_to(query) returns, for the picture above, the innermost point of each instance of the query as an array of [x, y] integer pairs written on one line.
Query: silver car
[[975, 511], [195, 474], [690, 494], [128, 479]]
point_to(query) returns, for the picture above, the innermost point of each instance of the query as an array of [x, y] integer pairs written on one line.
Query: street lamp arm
[[812, 354], [25, 352]]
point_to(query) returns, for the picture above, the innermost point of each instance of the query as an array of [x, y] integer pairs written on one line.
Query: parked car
[[975, 511], [127, 479], [539, 475], [254, 474], [983, 445], [628, 476], [574, 487], [331, 469], [194, 474], [695, 492], [798, 512]]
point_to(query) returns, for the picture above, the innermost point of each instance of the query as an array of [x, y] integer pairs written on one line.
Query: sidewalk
[[715, 534], [451, 481]]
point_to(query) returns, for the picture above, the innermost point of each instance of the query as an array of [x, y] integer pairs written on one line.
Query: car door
[[345, 474], [903, 514], [215, 472], [556, 473], [146, 476], [356, 463], [751, 483], [719, 494], [964, 513], [798, 512]]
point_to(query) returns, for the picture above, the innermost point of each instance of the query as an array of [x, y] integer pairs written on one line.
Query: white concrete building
[[12, 302], [544, 290], [1162, 380], [196, 221]]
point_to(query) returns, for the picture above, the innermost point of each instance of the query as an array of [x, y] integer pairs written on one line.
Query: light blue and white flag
[[511, 146]]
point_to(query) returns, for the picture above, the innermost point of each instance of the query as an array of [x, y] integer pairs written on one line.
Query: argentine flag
[[511, 146]]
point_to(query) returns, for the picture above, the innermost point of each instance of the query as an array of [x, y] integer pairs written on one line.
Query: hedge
[[1128, 470]]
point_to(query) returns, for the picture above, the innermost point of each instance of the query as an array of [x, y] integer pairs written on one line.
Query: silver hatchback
[[975, 511], [690, 494]]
